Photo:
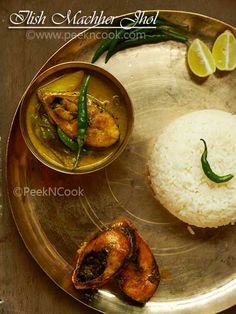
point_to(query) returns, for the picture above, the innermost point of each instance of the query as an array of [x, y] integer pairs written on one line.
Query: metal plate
[[198, 271]]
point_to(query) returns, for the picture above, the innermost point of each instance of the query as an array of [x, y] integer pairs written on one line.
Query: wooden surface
[[24, 288]]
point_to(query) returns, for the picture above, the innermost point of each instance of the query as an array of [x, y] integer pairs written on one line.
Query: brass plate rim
[[228, 300]]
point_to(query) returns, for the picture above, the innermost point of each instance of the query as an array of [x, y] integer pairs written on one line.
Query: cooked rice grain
[[176, 174]]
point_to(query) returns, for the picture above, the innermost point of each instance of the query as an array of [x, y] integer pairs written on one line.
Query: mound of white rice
[[176, 174]]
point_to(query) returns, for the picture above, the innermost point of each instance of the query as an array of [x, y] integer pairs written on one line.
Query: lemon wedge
[[224, 51], [200, 59]]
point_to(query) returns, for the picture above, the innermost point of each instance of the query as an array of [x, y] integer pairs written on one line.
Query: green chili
[[116, 39], [66, 140], [208, 171], [149, 39], [162, 25], [175, 36], [102, 48], [82, 117], [71, 144]]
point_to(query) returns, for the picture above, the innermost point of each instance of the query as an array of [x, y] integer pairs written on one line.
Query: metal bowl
[[35, 144]]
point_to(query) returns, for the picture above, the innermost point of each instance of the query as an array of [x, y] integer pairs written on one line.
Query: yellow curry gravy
[[56, 152]]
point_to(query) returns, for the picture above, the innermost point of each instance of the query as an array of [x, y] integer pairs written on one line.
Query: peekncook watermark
[[65, 36], [48, 191], [39, 25]]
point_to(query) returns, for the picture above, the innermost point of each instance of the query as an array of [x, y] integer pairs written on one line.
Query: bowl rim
[[79, 65]]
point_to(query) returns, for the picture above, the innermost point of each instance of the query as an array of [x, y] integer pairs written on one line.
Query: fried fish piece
[[118, 252], [140, 278], [101, 259]]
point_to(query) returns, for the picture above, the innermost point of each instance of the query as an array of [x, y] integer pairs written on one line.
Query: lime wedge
[[224, 51], [200, 59]]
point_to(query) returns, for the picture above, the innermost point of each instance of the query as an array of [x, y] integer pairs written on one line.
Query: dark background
[[24, 288]]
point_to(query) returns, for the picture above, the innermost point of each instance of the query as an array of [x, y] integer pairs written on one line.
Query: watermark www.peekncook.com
[[65, 36], [40, 26], [48, 191]]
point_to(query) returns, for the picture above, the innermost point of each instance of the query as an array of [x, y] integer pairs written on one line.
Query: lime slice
[[224, 51], [200, 59]]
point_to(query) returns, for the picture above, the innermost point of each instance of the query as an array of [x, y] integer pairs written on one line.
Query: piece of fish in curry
[[102, 131]]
